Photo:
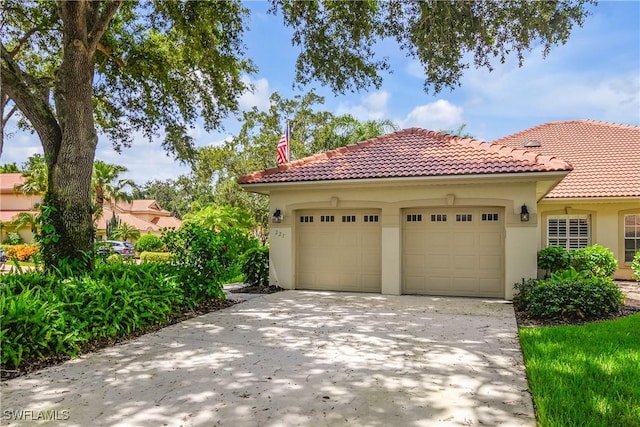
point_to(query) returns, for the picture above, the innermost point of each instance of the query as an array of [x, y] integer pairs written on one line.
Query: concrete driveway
[[297, 358]]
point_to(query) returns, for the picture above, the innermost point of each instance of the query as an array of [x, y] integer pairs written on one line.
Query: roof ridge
[[323, 155], [561, 122]]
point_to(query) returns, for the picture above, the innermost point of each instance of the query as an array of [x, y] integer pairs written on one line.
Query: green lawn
[[586, 375]]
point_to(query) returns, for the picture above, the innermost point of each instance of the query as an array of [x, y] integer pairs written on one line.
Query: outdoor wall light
[[277, 216], [524, 213]]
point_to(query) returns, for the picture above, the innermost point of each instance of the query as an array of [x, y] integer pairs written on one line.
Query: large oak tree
[[72, 68]]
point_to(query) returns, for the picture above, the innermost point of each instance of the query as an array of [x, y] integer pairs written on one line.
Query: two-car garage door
[[453, 251], [445, 251]]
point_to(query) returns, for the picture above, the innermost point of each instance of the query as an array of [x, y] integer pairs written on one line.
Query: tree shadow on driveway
[[300, 358]]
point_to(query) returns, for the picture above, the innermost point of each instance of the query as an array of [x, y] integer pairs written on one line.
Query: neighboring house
[[145, 215], [12, 203], [411, 212], [599, 201]]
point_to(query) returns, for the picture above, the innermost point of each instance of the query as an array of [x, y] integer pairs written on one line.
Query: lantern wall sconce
[[277, 216], [524, 213]]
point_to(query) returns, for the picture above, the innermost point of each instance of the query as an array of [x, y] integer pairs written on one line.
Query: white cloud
[[373, 106], [257, 96], [438, 115]]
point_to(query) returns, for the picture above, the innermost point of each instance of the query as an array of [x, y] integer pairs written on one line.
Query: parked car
[[125, 249], [3, 258]]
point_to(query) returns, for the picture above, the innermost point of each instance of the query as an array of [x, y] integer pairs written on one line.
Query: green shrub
[[149, 243], [114, 259], [553, 258], [255, 266], [198, 259], [569, 294], [13, 238], [635, 266], [597, 260], [45, 314], [163, 257]]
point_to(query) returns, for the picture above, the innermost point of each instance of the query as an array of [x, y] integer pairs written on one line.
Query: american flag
[[283, 147]]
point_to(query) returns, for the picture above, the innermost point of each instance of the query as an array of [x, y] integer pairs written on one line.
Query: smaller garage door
[[338, 250], [454, 251]]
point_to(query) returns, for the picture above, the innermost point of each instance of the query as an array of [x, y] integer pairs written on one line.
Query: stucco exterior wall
[[606, 224], [520, 237], [18, 201]]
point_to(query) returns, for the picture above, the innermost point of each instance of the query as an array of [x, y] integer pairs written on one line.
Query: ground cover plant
[[49, 316], [585, 375]]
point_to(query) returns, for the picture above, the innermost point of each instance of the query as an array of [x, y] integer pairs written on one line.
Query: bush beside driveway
[[302, 358]]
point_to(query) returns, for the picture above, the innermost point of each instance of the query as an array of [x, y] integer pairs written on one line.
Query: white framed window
[[631, 236], [569, 231]]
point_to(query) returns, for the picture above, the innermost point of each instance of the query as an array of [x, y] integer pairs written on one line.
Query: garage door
[[338, 250], [453, 251]]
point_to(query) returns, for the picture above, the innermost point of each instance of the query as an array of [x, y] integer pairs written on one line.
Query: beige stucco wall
[[18, 201], [606, 224], [520, 237]]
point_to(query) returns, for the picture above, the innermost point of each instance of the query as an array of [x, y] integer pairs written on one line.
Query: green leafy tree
[[9, 168], [112, 225], [221, 218], [71, 67]]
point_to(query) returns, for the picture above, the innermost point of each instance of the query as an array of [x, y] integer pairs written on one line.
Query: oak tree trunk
[[70, 160]]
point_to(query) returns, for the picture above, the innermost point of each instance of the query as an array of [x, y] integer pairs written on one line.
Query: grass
[[587, 375]]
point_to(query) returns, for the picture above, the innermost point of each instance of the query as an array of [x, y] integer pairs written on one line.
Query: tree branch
[[100, 26], [22, 41], [30, 101]]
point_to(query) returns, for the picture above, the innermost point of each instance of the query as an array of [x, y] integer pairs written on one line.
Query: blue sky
[[596, 75]]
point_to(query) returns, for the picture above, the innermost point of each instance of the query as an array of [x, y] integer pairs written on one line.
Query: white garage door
[[338, 250], [453, 251]]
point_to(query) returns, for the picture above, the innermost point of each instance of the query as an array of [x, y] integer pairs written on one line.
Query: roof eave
[[265, 188]]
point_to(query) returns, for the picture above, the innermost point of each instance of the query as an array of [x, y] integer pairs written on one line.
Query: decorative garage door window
[[414, 218], [631, 236], [371, 218], [438, 217], [348, 218], [569, 231], [464, 217], [306, 218], [327, 218], [490, 217]]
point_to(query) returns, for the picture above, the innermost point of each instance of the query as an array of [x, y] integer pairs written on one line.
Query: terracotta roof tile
[[409, 153], [9, 180], [605, 156]]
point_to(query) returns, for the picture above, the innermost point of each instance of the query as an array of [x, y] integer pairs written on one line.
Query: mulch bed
[[631, 306], [255, 289]]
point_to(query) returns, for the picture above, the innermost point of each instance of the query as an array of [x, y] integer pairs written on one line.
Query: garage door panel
[[453, 251], [343, 254], [490, 262], [465, 262], [438, 262], [440, 238], [490, 241]]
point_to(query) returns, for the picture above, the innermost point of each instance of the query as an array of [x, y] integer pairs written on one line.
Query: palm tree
[[35, 176], [106, 185], [24, 219], [125, 231]]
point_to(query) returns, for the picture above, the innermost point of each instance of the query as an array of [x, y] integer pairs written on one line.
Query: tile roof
[[9, 180], [409, 153], [605, 156]]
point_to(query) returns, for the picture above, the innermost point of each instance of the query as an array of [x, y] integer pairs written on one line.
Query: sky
[[595, 75]]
